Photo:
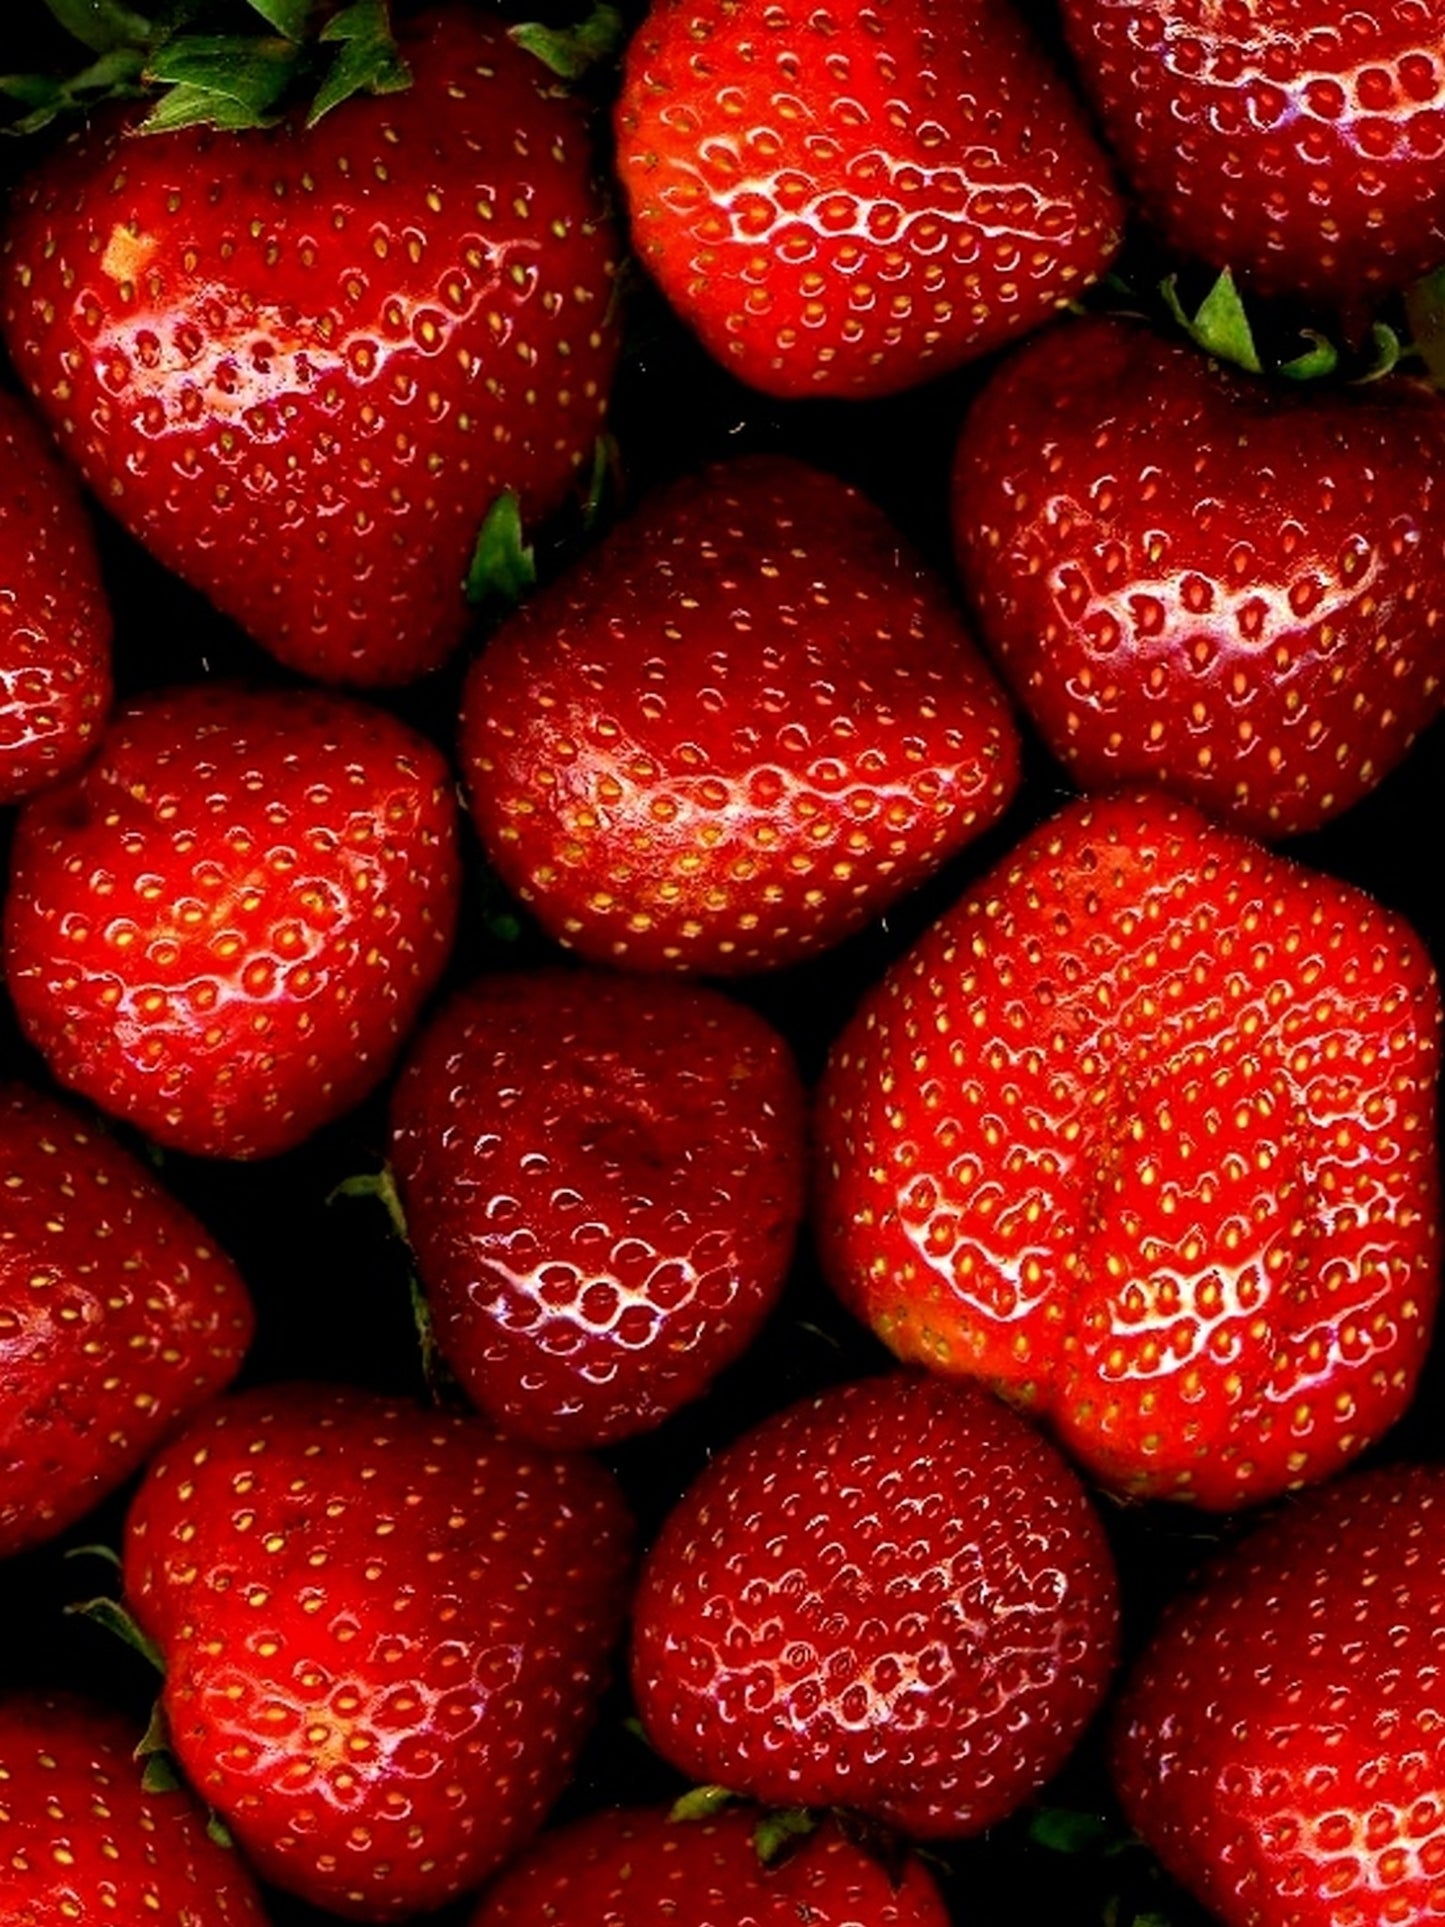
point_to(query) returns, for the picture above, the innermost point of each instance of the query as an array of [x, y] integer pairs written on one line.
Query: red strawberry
[[1281, 1745], [1142, 1133], [602, 1178], [850, 201], [1298, 142], [642, 1867], [893, 1597], [384, 1630], [1194, 578], [55, 627], [301, 365], [222, 928], [82, 1843], [118, 1316], [742, 728]]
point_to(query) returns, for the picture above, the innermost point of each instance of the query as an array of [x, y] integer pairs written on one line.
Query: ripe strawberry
[[1298, 142], [55, 626], [222, 928], [82, 1842], [742, 728], [384, 1630], [1280, 1744], [849, 202], [893, 1597], [1142, 1134], [1191, 577], [641, 1867], [602, 1179], [118, 1317], [301, 365]]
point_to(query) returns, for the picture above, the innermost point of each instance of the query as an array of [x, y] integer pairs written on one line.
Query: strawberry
[[892, 1597], [118, 1316], [849, 202], [742, 728], [301, 365], [643, 1866], [222, 928], [384, 1633], [1141, 1132], [83, 1842], [55, 624], [1192, 577], [1298, 142], [602, 1178], [1280, 1742]]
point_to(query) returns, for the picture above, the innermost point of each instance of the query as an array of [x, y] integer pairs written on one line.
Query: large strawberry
[[1298, 142], [224, 926], [744, 726], [1142, 1133], [83, 1843], [1193, 576], [644, 1866], [848, 201], [1281, 1744], [384, 1632], [602, 1178], [55, 625], [302, 364], [118, 1316], [893, 1597]]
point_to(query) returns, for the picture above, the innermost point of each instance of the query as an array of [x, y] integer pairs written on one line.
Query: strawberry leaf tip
[[287, 17], [1219, 324], [700, 1802], [367, 62], [781, 1830], [504, 565], [102, 25], [112, 1615], [572, 52]]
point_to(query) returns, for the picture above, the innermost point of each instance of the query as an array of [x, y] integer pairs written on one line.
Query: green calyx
[[504, 565], [232, 64], [1221, 325], [572, 52]]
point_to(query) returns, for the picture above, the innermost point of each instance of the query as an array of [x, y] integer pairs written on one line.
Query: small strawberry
[[602, 1178], [55, 625], [741, 729], [302, 364], [224, 926], [1194, 577], [118, 1316], [849, 201], [894, 1597], [1281, 1744], [642, 1867], [1298, 142], [82, 1842], [384, 1633], [1141, 1132]]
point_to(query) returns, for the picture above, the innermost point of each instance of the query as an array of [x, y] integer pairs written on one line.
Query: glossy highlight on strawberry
[[602, 1179], [743, 727], [222, 929], [847, 200], [1142, 1133], [301, 365]]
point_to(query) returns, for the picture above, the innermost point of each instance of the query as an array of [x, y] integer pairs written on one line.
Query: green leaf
[[112, 1615], [700, 1802], [1389, 350], [107, 1553], [288, 17], [380, 1185], [571, 52], [102, 25], [1219, 324], [368, 61], [1066, 1830], [1425, 309], [114, 76], [779, 1830], [1322, 357], [504, 566], [218, 1831], [221, 80], [602, 482]]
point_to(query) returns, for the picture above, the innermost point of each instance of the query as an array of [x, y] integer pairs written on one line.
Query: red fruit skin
[[385, 1632], [894, 1597], [118, 1317], [1279, 1745], [224, 926], [639, 1867], [602, 1179], [82, 1844], [1298, 142], [301, 365], [1195, 578], [741, 729], [1141, 1133], [55, 624], [850, 202]]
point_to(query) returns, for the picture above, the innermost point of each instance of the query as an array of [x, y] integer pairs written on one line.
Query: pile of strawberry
[[719, 1183]]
